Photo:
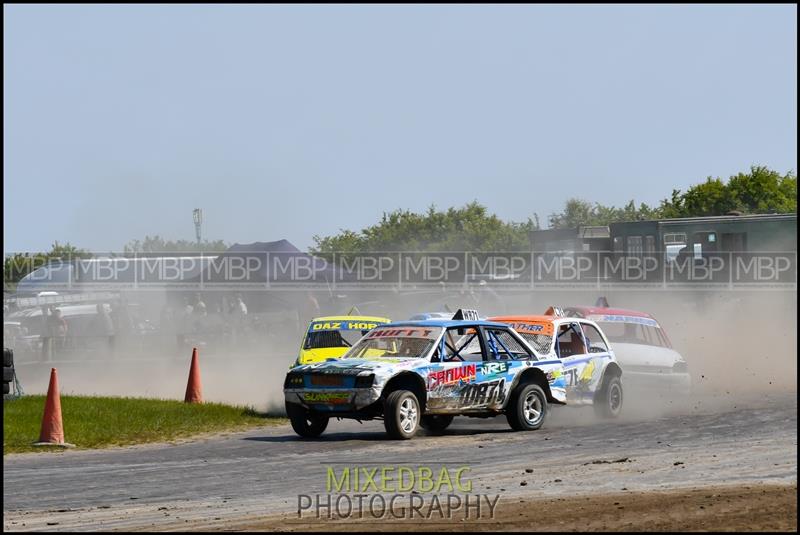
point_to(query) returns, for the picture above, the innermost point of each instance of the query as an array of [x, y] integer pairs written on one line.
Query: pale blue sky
[[290, 121]]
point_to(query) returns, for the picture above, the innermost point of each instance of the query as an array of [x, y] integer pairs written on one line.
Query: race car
[[651, 364], [593, 376], [330, 337], [424, 373]]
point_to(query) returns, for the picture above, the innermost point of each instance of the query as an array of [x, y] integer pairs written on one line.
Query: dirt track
[[737, 508], [231, 481]]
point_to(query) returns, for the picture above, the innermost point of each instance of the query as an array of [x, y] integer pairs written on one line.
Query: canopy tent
[[277, 262]]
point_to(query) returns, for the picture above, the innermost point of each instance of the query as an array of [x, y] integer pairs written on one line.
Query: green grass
[[99, 422]]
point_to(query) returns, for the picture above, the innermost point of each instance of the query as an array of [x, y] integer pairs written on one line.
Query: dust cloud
[[741, 348]]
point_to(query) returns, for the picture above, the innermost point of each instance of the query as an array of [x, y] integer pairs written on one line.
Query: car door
[[506, 354], [454, 366], [571, 349], [599, 353]]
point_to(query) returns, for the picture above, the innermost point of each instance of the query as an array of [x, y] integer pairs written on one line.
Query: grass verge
[[100, 422]]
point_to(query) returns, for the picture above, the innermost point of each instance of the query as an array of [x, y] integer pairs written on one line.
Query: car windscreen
[[323, 339], [396, 342]]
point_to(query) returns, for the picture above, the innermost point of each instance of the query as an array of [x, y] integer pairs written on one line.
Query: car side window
[[460, 344], [503, 346], [594, 339]]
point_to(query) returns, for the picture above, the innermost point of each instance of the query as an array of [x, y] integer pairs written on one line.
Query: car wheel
[[436, 423], [608, 403], [305, 423], [527, 408], [401, 414]]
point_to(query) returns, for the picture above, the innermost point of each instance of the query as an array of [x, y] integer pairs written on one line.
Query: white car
[[643, 350]]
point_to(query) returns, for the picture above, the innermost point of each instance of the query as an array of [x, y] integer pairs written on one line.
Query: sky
[[299, 120]]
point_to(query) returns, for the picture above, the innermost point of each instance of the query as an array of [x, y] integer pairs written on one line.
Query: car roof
[[541, 318], [604, 311], [430, 316], [352, 318], [445, 323]]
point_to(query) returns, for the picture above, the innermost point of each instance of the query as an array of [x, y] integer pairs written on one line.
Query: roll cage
[[573, 322], [490, 344]]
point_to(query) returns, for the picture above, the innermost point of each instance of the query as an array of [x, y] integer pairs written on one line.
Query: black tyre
[[401, 414], [436, 423], [608, 402], [305, 423], [6, 388], [8, 356], [8, 374], [527, 408]]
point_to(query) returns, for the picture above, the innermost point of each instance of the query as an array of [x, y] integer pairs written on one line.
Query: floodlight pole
[[197, 215]]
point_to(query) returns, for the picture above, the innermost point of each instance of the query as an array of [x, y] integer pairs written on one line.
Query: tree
[[763, 191], [157, 244], [712, 197], [469, 228], [579, 212], [758, 192], [17, 265]]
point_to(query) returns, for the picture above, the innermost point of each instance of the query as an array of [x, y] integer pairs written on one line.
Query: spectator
[[238, 319], [122, 324], [166, 321], [47, 342], [104, 326], [200, 313], [183, 322], [199, 306], [58, 330]]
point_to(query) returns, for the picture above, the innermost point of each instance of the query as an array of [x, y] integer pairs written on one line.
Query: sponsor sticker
[[615, 318], [452, 375], [494, 368], [404, 332], [532, 327], [342, 326], [333, 398]]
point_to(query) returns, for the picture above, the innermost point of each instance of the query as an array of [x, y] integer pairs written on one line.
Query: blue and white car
[[424, 373]]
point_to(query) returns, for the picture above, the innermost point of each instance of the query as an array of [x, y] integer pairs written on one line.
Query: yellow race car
[[330, 337]]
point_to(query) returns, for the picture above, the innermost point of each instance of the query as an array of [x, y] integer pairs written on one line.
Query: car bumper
[[332, 400]]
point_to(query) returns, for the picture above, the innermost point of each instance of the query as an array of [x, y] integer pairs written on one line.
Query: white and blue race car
[[424, 373]]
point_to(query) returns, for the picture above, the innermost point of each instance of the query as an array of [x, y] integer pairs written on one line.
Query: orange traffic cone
[[194, 393], [52, 433]]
